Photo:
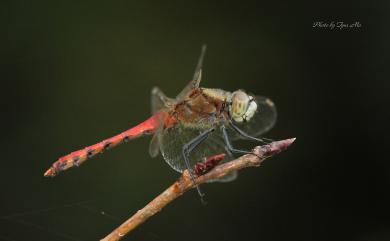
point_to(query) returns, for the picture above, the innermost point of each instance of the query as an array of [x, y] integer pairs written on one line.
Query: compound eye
[[240, 101], [251, 110]]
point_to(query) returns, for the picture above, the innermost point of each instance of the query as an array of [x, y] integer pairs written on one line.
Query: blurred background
[[74, 73]]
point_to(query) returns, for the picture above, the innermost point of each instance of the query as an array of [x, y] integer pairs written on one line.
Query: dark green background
[[74, 73]]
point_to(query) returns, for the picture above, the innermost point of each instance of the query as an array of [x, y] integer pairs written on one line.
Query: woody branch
[[185, 183]]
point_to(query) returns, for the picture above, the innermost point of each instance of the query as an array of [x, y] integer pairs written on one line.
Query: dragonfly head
[[242, 107]]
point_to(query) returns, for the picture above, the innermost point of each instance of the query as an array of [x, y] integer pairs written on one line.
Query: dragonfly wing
[[173, 139], [194, 83], [159, 100], [154, 147], [228, 157], [198, 69], [262, 121]]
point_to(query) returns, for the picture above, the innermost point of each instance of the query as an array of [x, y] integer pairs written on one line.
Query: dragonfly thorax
[[242, 107]]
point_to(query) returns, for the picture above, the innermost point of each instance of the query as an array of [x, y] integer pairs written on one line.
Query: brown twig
[[185, 183]]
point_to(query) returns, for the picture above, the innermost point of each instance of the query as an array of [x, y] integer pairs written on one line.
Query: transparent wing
[[199, 66], [172, 140], [194, 83], [154, 147], [229, 156], [262, 121], [158, 100]]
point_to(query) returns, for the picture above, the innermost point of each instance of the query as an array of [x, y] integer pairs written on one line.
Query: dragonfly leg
[[245, 135], [187, 148], [229, 144]]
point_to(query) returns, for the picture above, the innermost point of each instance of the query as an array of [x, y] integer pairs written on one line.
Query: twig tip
[[277, 146], [291, 140]]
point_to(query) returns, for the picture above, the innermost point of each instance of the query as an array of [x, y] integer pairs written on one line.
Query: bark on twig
[[185, 183]]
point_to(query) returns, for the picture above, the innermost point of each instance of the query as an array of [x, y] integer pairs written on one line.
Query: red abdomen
[[78, 157]]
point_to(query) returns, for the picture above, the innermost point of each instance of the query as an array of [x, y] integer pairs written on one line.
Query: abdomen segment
[[78, 157]]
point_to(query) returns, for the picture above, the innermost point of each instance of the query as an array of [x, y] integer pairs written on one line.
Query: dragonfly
[[197, 123]]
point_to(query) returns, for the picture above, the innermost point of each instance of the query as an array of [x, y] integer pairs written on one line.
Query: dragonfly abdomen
[[78, 157]]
